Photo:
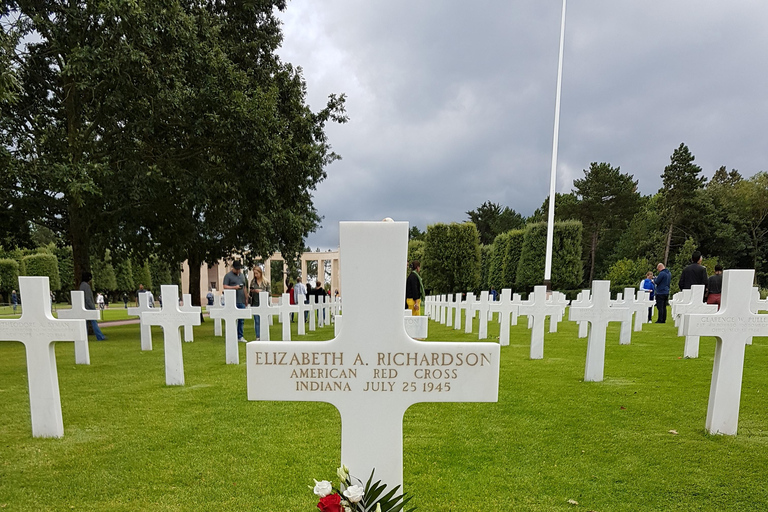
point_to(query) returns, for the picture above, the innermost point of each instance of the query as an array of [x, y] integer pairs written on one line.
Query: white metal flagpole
[[553, 173]]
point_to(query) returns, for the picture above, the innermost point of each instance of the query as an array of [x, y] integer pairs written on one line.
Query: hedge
[[567, 270], [43, 264], [452, 257]]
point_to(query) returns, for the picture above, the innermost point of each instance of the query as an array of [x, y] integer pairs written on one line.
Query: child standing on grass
[[647, 286]]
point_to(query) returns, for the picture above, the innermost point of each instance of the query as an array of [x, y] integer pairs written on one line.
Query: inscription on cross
[[146, 329], [598, 313], [230, 313], [733, 326], [373, 371], [38, 330], [171, 319], [78, 312]]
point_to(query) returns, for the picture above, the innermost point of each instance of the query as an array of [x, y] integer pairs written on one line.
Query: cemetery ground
[[635, 442]]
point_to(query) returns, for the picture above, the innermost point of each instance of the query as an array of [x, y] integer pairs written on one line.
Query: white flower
[[323, 488], [354, 493], [343, 473]]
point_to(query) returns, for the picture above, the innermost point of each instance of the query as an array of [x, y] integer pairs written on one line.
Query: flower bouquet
[[356, 497]]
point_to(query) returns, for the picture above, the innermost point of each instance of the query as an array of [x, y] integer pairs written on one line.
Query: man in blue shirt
[[662, 282]]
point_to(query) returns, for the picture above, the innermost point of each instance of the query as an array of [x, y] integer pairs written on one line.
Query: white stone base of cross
[[145, 328], [469, 313], [458, 308], [171, 319], [217, 320], [38, 330], [78, 312], [302, 307], [733, 325], [625, 302], [482, 306], [230, 313], [373, 371]]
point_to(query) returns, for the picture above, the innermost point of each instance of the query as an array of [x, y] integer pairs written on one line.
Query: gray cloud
[[452, 103]]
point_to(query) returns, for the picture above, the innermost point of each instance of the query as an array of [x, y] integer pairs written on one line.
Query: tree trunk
[[593, 252], [194, 261], [669, 242], [81, 242]]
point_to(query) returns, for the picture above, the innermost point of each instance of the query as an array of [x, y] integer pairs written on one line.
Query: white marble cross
[[186, 306], [624, 302], [733, 325], [302, 308], [230, 313], [38, 330], [680, 298], [450, 308], [146, 329], [373, 371], [285, 309], [696, 305], [469, 310], [538, 308], [507, 314], [171, 319], [458, 307], [561, 302], [78, 312], [582, 301], [217, 331], [598, 314], [640, 305], [265, 311], [483, 307]]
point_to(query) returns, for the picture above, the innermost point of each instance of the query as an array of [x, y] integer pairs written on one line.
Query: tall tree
[[165, 126], [491, 220], [680, 182], [607, 200]]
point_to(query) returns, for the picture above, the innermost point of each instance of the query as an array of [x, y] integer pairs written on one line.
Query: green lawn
[[131, 443]]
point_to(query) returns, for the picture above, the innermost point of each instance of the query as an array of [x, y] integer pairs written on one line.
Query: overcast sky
[[451, 103]]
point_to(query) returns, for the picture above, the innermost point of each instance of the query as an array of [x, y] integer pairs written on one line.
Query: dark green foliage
[[491, 220], [607, 202], [496, 263], [627, 273], [66, 268], [160, 274], [486, 254], [9, 276], [124, 276], [682, 260], [567, 270], [104, 279], [680, 203], [142, 275], [514, 249], [415, 250], [451, 258], [43, 264]]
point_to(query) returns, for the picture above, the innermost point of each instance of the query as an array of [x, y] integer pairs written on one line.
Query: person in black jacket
[[414, 289], [694, 273]]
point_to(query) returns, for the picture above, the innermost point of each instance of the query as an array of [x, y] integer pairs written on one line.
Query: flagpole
[[553, 172]]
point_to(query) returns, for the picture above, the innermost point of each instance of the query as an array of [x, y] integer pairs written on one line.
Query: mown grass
[[132, 443]]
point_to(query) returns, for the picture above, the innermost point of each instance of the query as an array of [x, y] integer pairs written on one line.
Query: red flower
[[331, 503]]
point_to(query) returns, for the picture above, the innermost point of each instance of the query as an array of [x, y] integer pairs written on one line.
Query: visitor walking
[[14, 301], [258, 285], [694, 273], [715, 286], [662, 282], [85, 287], [647, 286], [235, 280]]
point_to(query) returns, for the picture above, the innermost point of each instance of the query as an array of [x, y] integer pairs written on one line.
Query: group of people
[[236, 280], [694, 273]]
